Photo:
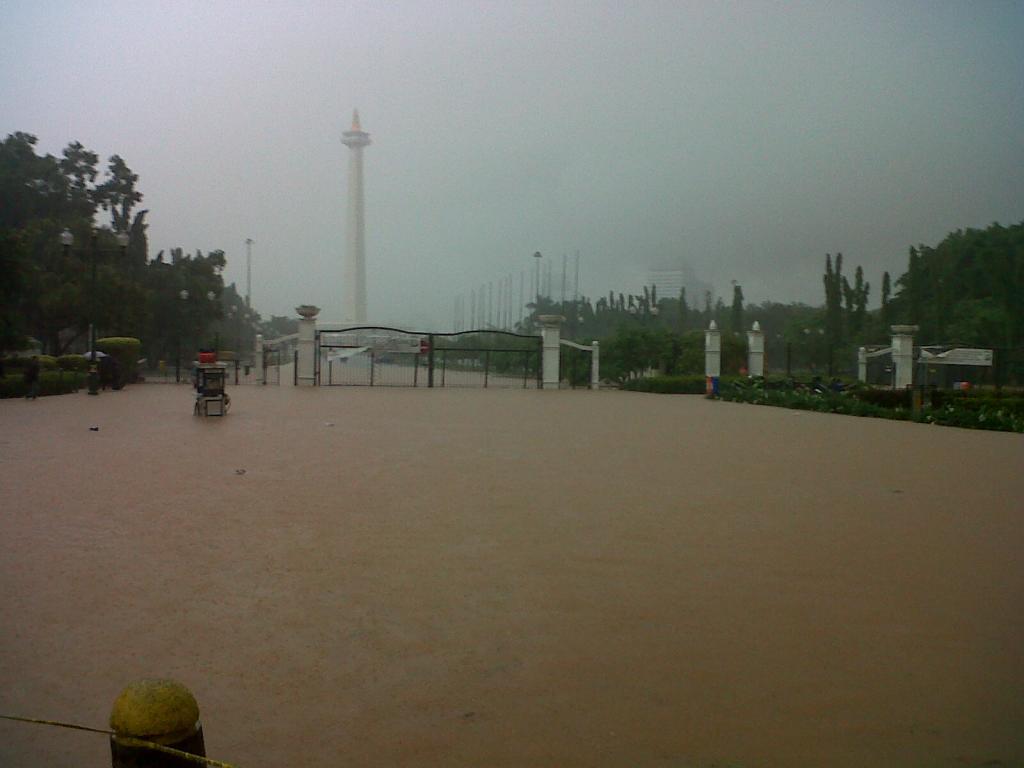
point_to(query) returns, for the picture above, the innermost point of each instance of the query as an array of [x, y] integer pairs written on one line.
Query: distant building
[[672, 276]]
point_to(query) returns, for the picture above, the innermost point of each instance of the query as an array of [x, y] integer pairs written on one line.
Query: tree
[[720, 312], [886, 294], [736, 314], [684, 310], [833, 280], [118, 194], [78, 167], [12, 324]]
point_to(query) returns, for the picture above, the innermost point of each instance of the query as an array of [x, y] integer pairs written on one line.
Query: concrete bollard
[[162, 711]]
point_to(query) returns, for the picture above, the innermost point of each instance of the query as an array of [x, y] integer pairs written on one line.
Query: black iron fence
[[391, 357]]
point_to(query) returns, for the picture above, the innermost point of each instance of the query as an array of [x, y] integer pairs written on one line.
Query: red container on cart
[[206, 358]]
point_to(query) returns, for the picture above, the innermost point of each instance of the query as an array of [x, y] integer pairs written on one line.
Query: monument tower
[[354, 273]]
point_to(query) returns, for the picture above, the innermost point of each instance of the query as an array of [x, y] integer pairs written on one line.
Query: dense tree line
[[968, 290], [51, 290]]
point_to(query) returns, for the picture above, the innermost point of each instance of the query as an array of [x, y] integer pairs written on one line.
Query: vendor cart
[[211, 399]]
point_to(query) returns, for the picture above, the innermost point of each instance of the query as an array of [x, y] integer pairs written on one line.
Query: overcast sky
[[746, 139]]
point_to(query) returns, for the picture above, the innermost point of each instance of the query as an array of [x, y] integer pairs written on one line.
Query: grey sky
[[747, 139]]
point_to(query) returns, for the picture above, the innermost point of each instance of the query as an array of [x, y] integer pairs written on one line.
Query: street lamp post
[[67, 240], [536, 279], [183, 295]]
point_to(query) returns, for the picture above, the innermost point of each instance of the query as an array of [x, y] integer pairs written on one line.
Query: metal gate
[[378, 356], [574, 362], [272, 358]]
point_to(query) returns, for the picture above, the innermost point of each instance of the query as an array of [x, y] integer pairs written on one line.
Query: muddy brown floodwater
[[512, 578]]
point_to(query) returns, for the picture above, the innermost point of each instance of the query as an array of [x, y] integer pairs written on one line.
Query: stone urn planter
[[307, 311]]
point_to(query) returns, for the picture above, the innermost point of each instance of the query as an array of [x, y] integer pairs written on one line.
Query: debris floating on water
[[94, 429], [239, 471]]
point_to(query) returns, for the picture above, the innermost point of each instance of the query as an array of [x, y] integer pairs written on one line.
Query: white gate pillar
[[305, 376], [903, 355], [862, 365], [551, 334], [595, 366], [713, 350], [257, 359], [755, 350]]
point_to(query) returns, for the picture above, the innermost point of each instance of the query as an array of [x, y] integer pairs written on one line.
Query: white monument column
[[354, 272], [551, 336], [755, 350], [305, 376], [713, 350], [862, 365], [903, 355], [595, 366]]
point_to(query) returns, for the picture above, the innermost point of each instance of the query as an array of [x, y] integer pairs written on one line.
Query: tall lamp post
[[183, 295], [67, 240], [536, 279]]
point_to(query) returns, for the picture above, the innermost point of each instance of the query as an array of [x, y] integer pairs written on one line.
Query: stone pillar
[[305, 371], [862, 365], [163, 712], [257, 359], [713, 350], [595, 366], [755, 350], [903, 355], [551, 334]]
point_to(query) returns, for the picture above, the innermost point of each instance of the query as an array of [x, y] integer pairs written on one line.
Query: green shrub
[[46, 363], [884, 398], [72, 363], [668, 385], [984, 412], [125, 350], [50, 383]]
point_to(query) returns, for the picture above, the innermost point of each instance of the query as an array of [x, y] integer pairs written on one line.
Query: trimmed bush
[[47, 362], [72, 363], [125, 350], [50, 383]]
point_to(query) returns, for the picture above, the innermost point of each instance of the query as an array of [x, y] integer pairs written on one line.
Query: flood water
[[364, 577]]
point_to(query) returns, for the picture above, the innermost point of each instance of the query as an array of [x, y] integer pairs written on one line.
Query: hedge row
[[973, 410], [972, 413], [50, 383], [668, 385], [677, 385]]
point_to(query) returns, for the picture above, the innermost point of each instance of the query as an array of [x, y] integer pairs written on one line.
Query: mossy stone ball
[[163, 711]]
